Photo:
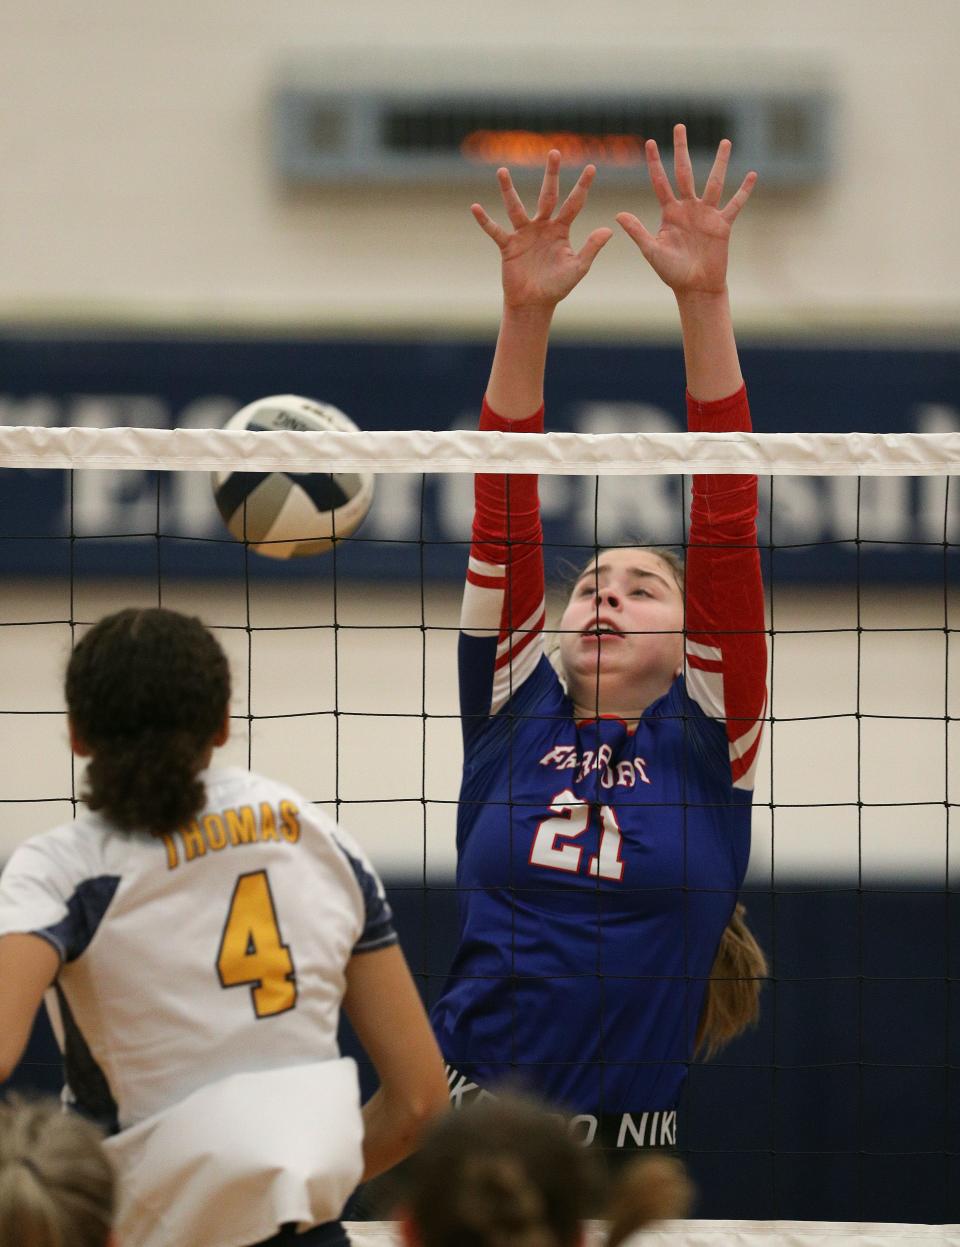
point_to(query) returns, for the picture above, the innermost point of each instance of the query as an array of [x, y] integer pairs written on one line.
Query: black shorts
[[330, 1234], [638, 1130]]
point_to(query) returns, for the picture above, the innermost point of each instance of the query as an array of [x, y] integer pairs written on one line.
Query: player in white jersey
[[198, 930]]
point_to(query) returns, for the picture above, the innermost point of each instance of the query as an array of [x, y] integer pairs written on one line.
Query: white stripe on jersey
[[711, 653], [706, 689], [740, 749], [493, 571], [521, 634], [508, 678], [481, 610]]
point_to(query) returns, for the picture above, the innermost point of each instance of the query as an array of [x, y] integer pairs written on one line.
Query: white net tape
[[416, 450], [731, 1234]]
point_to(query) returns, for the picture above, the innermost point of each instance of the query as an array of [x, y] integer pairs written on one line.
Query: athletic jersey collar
[[650, 712]]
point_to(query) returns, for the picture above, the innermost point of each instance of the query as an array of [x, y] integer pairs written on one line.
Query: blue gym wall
[[437, 383]]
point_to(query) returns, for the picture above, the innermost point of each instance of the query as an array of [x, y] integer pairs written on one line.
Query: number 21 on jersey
[[553, 845], [252, 952]]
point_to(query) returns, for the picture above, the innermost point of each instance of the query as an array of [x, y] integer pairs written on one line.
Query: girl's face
[[622, 632]]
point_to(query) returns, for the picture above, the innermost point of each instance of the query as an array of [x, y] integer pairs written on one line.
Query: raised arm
[[725, 640], [538, 268], [689, 254], [503, 605]]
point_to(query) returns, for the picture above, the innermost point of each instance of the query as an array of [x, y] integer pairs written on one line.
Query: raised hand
[[689, 251], [539, 265]]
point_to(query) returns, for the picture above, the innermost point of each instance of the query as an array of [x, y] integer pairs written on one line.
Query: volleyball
[[287, 515]]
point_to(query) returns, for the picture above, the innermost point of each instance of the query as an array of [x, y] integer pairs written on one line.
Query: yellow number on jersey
[[252, 951]]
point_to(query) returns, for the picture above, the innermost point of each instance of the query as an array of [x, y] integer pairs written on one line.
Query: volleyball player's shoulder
[[65, 852], [234, 786], [47, 871]]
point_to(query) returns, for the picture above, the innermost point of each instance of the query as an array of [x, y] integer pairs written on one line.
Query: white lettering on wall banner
[[871, 503]]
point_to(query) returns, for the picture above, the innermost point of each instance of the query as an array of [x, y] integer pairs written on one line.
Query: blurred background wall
[[139, 171], [157, 268]]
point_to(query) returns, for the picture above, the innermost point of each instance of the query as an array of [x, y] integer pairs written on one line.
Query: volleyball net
[[842, 1108]]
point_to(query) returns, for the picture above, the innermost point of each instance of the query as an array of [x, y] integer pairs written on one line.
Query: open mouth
[[602, 631]]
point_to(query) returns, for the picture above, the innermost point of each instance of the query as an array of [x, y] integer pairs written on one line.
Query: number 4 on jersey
[[252, 952]]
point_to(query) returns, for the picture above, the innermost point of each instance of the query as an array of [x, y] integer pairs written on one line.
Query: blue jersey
[[598, 864]]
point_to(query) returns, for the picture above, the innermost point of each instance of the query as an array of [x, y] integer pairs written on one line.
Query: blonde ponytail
[[732, 1002], [56, 1184]]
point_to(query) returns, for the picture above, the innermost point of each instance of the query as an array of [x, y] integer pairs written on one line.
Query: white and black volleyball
[[287, 515]]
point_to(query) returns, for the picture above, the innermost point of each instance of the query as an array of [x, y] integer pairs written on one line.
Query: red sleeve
[[504, 593], [726, 652]]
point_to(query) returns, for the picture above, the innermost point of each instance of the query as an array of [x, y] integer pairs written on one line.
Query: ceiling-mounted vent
[[383, 136]]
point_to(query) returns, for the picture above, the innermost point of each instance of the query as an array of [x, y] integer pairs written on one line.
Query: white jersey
[[188, 959]]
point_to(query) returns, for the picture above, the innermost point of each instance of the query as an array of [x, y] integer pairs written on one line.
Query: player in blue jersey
[[604, 818], [199, 930]]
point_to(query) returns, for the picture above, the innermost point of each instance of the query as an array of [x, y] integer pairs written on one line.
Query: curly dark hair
[[147, 691]]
